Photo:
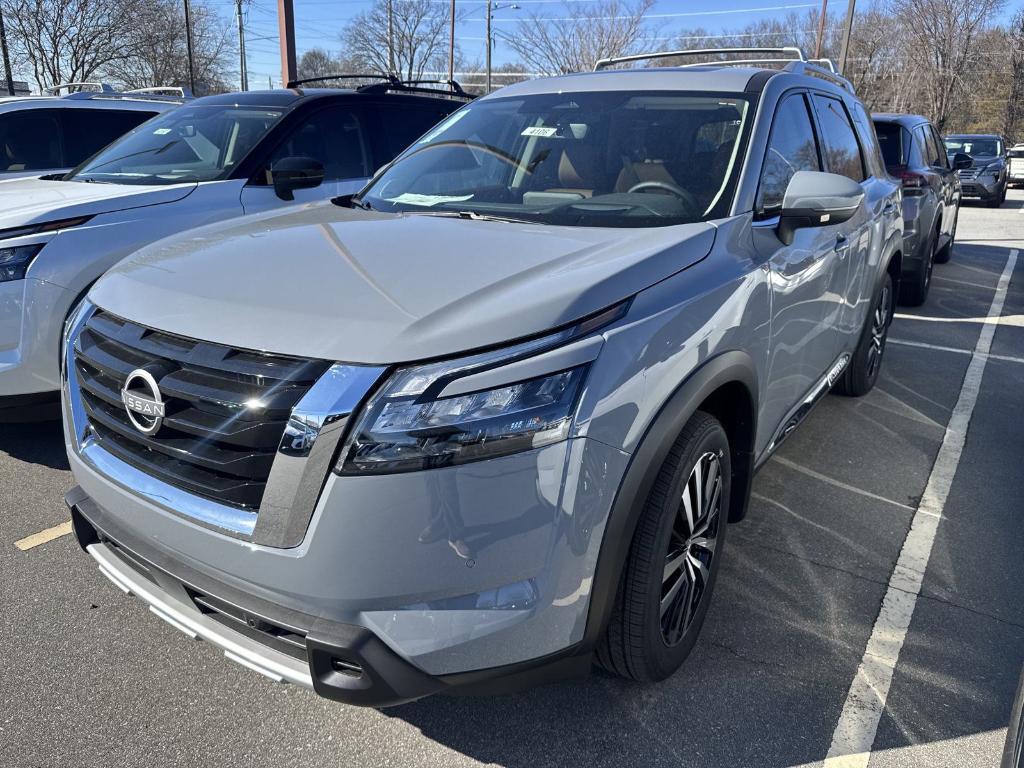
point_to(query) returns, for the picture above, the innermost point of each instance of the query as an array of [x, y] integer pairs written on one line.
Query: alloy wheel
[[691, 548], [879, 330]]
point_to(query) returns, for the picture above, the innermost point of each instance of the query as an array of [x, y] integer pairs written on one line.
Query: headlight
[[14, 260], [411, 424]]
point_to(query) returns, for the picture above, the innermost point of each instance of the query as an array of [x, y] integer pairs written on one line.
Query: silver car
[[486, 422]]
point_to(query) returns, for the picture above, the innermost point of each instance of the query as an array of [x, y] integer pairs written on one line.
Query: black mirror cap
[[962, 160], [291, 173]]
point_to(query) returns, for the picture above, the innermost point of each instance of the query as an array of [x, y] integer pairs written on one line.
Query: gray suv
[[914, 154], [486, 422], [986, 177]]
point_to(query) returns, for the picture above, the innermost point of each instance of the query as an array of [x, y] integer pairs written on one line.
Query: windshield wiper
[[475, 216]]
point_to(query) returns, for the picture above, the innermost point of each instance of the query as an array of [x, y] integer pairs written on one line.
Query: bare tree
[[411, 33], [155, 40], [580, 35], [942, 36], [67, 40], [1014, 112]]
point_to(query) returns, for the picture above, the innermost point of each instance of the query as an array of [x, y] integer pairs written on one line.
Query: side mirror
[[962, 160], [291, 173], [815, 199]]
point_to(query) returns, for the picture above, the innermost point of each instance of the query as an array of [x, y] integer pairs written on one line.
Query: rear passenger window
[[842, 150], [791, 148], [336, 137], [30, 141], [87, 131]]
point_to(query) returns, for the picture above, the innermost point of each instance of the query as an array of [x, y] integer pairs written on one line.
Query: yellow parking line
[[43, 536]]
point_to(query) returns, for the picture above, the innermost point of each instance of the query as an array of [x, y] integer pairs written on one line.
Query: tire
[[998, 200], [656, 618], [866, 363], [914, 286], [943, 255]]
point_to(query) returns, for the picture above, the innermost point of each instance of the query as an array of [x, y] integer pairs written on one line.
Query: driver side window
[[792, 147], [334, 136]]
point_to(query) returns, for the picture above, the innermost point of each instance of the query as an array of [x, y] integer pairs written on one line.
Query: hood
[[35, 200], [363, 287]]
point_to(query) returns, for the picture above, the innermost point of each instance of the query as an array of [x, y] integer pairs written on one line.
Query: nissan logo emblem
[[141, 398]]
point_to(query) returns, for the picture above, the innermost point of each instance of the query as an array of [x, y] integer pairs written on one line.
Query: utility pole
[[490, 42], [243, 70], [846, 37], [286, 34], [451, 47], [188, 45], [7, 57], [821, 28], [491, 7], [391, 39]]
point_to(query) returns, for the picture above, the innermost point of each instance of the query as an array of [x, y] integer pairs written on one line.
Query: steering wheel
[[665, 186]]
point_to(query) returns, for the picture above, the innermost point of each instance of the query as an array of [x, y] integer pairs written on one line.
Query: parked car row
[[479, 416]]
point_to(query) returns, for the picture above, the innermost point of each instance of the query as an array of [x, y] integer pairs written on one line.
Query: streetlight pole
[[243, 70], [188, 46]]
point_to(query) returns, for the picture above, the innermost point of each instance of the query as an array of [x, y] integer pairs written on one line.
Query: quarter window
[[791, 148], [842, 150]]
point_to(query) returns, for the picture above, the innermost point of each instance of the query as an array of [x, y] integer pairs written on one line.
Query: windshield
[[983, 147], [605, 159], [188, 143]]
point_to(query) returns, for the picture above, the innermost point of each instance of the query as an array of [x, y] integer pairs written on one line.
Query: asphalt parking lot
[[90, 678]]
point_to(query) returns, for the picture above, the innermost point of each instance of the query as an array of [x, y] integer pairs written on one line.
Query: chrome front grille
[[968, 174], [226, 409]]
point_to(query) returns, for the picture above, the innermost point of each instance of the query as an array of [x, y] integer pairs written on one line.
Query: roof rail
[[817, 70], [389, 83], [418, 86], [164, 90], [611, 61], [84, 87], [339, 76]]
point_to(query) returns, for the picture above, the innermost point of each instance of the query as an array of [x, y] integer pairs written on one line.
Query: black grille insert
[[226, 408]]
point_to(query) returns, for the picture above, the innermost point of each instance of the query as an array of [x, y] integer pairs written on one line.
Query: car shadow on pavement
[[36, 442]]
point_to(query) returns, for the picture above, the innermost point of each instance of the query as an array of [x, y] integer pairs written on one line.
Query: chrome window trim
[[297, 474]]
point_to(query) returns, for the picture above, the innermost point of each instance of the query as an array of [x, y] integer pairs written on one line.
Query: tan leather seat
[[576, 171]]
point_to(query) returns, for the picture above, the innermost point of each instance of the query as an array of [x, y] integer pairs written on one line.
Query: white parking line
[[837, 483], [43, 536], [957, 350], [855, 732], [1014, 320]]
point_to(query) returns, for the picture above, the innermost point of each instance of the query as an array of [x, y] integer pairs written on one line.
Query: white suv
[[208, 160], [48, 134]]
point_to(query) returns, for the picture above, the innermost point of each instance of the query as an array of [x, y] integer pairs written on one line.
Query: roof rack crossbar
[[163, 90], [611, 61]]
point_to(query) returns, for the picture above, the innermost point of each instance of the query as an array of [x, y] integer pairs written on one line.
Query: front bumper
[[983, 187], [343, 662]]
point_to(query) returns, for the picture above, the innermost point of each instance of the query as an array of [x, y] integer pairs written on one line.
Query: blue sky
[[319, 23]]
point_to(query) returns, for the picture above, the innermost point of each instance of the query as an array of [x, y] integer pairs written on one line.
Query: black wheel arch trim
[[727, 368]]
